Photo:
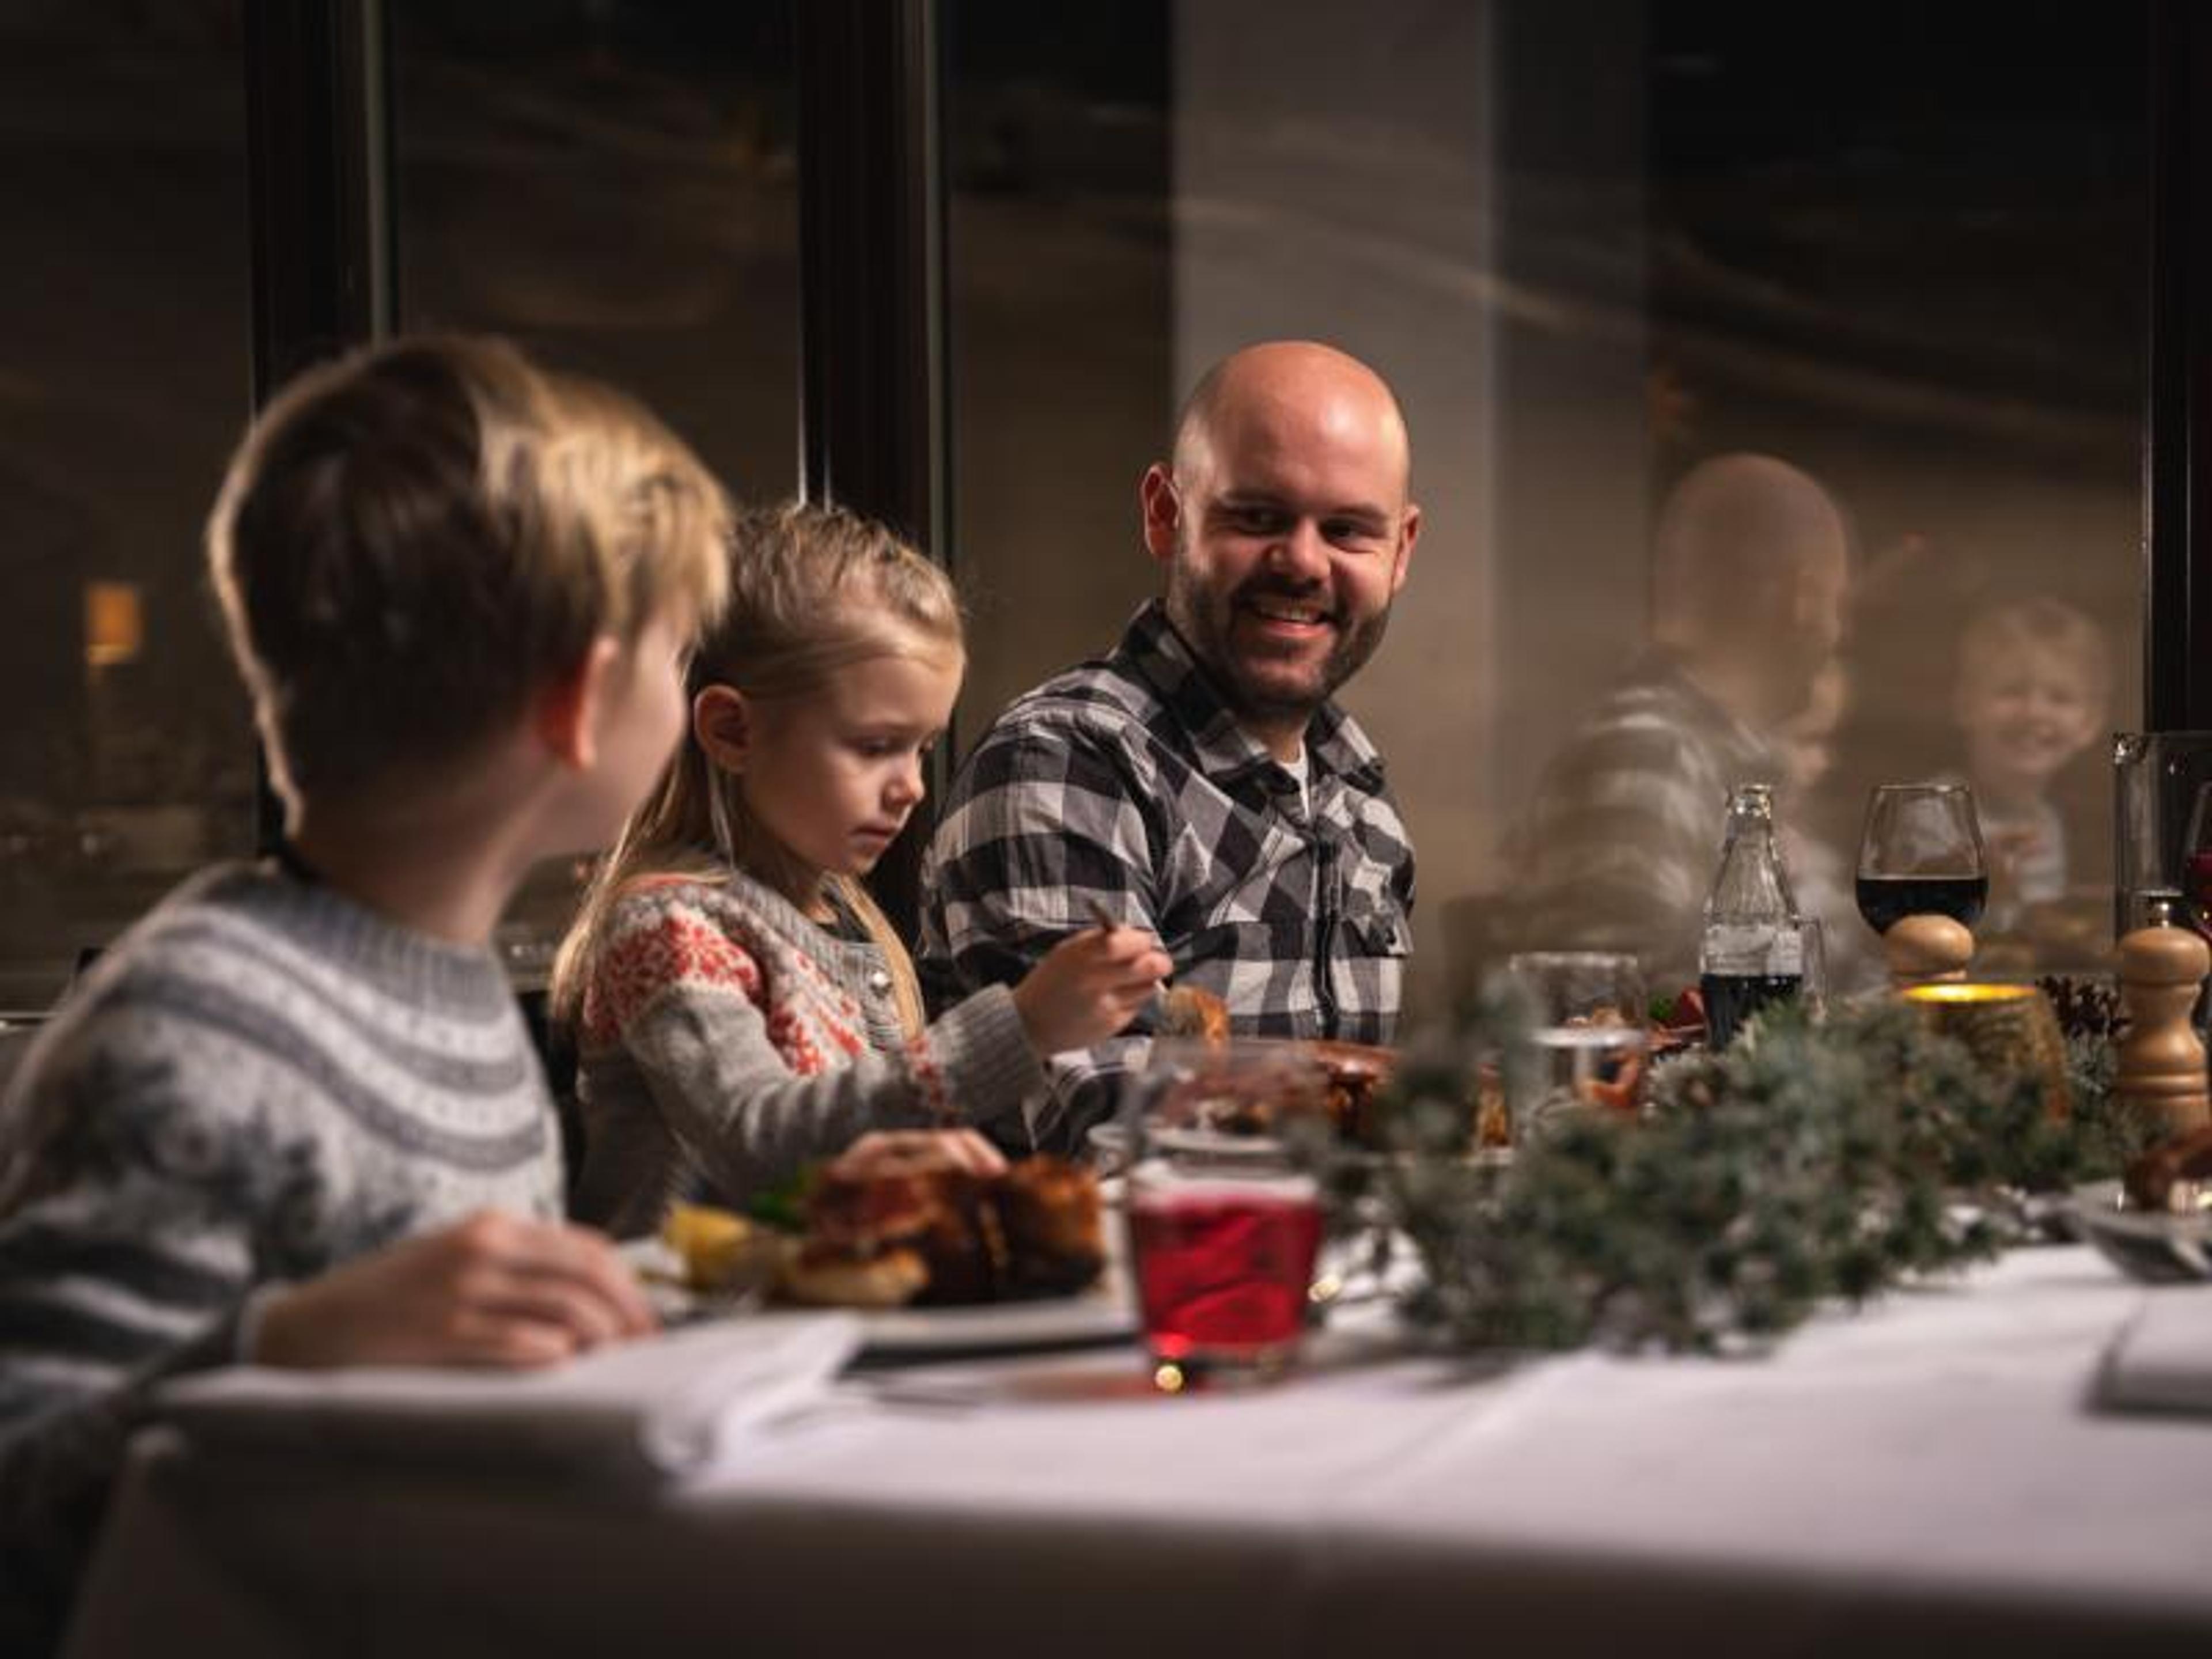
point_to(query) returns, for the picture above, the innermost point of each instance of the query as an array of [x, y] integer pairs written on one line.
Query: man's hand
[[494, 1289]]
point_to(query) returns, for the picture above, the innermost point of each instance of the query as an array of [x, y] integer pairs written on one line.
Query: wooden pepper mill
[[1926, 951], [2161, 1060]]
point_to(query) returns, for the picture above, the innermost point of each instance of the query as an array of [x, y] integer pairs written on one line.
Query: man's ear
[[1162, 508], [1409, 532], [723, 724], [566, 716]]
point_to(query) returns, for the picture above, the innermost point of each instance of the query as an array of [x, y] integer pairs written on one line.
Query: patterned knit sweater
[[725, 1039], [260, 1081]]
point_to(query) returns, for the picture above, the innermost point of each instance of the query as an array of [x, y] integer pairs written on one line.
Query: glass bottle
[[1752, 952]]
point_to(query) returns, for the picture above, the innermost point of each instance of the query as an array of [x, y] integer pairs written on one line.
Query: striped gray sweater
[[260, 1081]]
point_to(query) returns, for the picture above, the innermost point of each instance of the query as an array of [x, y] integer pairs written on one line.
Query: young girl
[[740, 1004]]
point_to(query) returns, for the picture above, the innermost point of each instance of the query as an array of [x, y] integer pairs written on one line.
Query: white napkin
[[646, 1409], [2162, 1361]]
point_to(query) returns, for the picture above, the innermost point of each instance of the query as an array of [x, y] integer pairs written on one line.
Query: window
[[616, 188], [1593, 246], [127, 758]]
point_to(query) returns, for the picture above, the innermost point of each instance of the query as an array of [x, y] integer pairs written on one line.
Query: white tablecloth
[[1924, 1476]]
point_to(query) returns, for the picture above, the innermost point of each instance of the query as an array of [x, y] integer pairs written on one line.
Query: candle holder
[[2012, 1029]]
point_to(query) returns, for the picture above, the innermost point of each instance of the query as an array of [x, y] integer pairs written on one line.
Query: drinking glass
[[2197, 862], [1588, 1046], [1224, 1223], [1921, 854]]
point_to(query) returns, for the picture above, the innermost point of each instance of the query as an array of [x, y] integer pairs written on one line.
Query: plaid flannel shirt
[[1619, 846], [1127, 782]]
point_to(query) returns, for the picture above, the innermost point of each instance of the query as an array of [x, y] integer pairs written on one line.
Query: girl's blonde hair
[[813, 590], [416, 539]]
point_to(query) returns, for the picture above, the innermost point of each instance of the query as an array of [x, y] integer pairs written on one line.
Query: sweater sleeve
[[693, 1018], [120, 1263]]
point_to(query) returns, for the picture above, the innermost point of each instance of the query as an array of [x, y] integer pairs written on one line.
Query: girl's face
[[834, 776]]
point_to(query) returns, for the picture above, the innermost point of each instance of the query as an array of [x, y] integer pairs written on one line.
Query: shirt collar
[[1163, 659]]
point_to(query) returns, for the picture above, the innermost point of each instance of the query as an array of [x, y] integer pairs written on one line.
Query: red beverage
[[1223, 1268], [2199, 880]]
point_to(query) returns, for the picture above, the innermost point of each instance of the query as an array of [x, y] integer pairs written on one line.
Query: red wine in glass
[[1921, 854], [2197, 862], [2196, 888], [1884, 901]]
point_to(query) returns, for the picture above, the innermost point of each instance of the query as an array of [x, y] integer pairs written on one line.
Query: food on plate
[[2174, 1179], [1357, 1072], [919, 1227], [1310, 1078], [1679, 1021], [722, 1251], [1187, 1010], [889, 1278]]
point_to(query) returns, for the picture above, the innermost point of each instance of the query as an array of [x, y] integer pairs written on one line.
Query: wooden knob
[[1922, 950], [2164, 956]]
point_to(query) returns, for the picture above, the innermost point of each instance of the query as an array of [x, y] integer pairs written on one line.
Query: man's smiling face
[[1286, 530]]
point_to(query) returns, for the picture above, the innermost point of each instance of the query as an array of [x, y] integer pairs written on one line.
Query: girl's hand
[[1090, 986], [897, 1151], [494, 1289]]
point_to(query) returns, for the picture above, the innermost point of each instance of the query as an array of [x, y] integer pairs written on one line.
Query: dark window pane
[[1595, 244], [127, 756], [615, 187]]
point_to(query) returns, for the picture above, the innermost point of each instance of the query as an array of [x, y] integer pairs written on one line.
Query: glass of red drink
[[1224, 1222]]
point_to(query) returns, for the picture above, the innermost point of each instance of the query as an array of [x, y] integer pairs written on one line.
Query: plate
[[1102, 1313], [2156, 1247]]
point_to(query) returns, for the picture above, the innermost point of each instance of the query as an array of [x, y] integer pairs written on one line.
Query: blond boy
[[294, 1116], [2034, 680]]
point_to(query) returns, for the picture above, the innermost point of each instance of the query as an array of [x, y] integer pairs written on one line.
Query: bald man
[[1619, 846], [1198, 781]]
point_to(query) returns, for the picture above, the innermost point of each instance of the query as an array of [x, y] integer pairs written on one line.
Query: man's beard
[[1207, 623]]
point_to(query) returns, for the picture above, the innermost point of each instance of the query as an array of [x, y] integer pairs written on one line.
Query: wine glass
[[1921, 854], [2197, 862]]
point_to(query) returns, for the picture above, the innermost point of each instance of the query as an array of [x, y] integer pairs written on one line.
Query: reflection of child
[[2033, 679], [741, 1005]]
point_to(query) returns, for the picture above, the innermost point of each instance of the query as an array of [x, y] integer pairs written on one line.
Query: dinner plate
[[1101, 1313], [2149, 1245]]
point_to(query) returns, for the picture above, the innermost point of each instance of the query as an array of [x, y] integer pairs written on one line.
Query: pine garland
[[1812, 1160]]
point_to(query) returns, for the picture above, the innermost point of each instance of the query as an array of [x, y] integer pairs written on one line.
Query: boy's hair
[[812, 590], [2039, 628], [416, 539]]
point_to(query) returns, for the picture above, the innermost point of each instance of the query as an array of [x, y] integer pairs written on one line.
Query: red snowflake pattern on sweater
[[660, 938], [681, 948]]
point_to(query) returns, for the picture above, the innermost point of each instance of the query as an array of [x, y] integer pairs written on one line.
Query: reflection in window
[[616, 188], [127, 757], [1596, 246]]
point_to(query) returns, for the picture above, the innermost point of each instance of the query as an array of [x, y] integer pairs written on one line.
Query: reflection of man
[[1198, 781], [1619, 846]]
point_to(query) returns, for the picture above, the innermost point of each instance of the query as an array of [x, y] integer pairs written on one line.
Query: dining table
[[1931, 1473]]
